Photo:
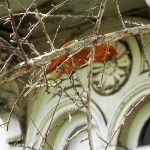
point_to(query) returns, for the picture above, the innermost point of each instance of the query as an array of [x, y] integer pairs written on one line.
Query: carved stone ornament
[[115, 73]]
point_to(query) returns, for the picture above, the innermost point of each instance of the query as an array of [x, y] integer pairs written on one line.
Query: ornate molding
[[116, 71]]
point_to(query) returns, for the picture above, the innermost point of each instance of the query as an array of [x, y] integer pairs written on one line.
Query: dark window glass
[[144, 138]]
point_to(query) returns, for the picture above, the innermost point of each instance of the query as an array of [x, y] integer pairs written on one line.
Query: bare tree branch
[[101, 74], [65, 16], [41, 134], [7, 61], [25, 13], [22, 68], [119, 13], [44, 30], [52, 118], [45, 16], [99, 16], [15, 34], [72, 137], [88, 103]]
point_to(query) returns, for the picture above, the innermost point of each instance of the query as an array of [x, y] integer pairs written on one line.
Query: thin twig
[[25, 13], [8, 47], [93, 6], [81, 141], [46, 81], [99, 16], [41, 134], [72, 137], [5, 123], [32, 87], [65, 16], [13, 107], [103, 69], [127, 21], [51, 120], [87, 106], [15, 32], [31, 46], [57, 30], [71, 112], [102, 139], [7, 61], [27, 147], [44, 17], [44, 30], [119, 13]]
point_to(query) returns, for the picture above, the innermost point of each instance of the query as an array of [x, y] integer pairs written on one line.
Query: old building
[[125, 83]]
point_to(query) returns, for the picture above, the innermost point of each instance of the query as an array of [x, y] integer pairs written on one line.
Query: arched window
[[144, 138]]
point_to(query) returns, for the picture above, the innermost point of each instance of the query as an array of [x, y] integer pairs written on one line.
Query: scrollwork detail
[[116, 71]]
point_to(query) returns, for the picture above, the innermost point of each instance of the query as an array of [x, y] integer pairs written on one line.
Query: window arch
[[66, 128], [136, 129], [139, 127], [144, 138], [127, 136]]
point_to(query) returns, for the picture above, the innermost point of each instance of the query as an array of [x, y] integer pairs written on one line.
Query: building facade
[[120, 108]]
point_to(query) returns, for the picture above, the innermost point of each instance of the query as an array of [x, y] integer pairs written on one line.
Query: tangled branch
[[23, 68]]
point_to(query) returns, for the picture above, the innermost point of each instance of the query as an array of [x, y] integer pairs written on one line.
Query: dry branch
[[44, 17], [48, 16], [23, 68], [119, 14], [100, 15], [72, 137], [87, 106], [15, 34]]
